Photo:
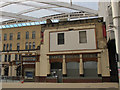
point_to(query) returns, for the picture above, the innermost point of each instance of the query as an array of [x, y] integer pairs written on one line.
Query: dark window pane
[[4, 47], [19, 56], [56, 65], [33, 35], [5, 37], [15, 56], [18, 46], [7, 46], [0, 58], [72, 56], [27, 35], [30, 45], [11, 36], [56, 57], [26, 45], [89, 56], [18, 36], [9, 58], [10, 46], [33, 45], [60, 38], [82, 37], [5, 58]]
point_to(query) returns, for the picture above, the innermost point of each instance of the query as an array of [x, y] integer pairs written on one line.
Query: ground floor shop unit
[[77, 67]]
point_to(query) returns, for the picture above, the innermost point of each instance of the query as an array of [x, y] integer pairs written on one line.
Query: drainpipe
[[116, 23]]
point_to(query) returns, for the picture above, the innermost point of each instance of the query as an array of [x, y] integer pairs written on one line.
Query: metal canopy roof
[[13, 11]]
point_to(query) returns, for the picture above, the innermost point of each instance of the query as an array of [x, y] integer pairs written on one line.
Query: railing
[[10, 78]]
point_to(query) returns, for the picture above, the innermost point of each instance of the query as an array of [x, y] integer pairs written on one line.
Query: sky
[[92, 4]]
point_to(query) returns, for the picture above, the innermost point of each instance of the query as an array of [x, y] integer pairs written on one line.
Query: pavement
[[96, 86]]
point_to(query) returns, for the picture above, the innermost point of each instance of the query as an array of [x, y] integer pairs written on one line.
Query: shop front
[[28, 67]]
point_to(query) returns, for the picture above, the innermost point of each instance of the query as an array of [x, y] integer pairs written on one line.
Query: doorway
[[56, 71]]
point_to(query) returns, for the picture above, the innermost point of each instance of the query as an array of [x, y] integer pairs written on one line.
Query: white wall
[[71, 41]]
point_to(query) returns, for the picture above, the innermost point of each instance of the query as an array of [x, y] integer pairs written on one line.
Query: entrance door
[[18, 71], [29, 74], [56, 71], [6, 71]]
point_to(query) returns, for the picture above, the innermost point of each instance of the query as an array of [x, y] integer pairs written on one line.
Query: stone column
[[99, 65], [81, 66], [2, 71], [13, 70], [48, 69], [12, 57], [10, 71], [37, 69], [64, 66], [3, 57]]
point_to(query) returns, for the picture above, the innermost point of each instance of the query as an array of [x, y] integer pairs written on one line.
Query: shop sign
[[29, 58], [28, 62]]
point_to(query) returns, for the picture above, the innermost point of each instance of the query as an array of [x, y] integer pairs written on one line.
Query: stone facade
[[43, 63]]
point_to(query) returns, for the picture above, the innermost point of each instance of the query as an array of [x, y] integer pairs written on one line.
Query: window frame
[[33, 45], [11, 36], [9, 57], [27, 35], [7, 47], [30, 45], [18, 36], [20, 56], [5, 37], [16, 57], [10, 46], [5, 59], [18, 46], [81, 37], [26, 46], [4, 47], [33, 34], [61, 41]]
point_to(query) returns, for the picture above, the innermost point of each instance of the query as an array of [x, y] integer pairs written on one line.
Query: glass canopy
[[16, 13]]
